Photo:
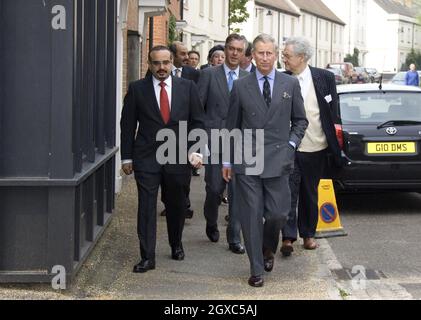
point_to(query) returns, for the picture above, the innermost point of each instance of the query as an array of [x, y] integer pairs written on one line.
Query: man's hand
[[226, 174], [196, 160], [127, 168]]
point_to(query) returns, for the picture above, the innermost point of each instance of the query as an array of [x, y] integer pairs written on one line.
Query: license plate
[[391, 148]]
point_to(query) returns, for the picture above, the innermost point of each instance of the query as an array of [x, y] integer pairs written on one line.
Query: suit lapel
[[278, 90], [221, 79], [174, 101], [150, 96], [254, 89], [318, 83]]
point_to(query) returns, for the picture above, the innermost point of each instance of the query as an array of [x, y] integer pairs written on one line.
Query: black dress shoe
[[268, 263], [287, 248], [237, 248], [212, 233], [144, 266], [256, 281], [189, 213], [177, 253]]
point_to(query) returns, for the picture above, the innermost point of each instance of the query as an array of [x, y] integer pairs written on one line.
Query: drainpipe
[[150, 33], [317, 42]]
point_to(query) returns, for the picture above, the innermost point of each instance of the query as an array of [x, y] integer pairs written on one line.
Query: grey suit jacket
[[285, 120], [215, 95]]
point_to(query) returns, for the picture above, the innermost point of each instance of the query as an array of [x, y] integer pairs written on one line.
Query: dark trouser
[[215, 187], [261, 198], [187, 191], [175, 204], [304, 183]]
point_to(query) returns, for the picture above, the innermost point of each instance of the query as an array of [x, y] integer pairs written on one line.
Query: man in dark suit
[[320, 99], [246, 63], [214, 88], [269, 104], [181, 67], [158, 102]]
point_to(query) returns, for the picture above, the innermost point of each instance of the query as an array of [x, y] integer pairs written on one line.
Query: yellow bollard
[[329, 222]]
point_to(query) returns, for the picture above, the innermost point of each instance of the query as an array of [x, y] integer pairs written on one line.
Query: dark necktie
[[266, 92], [164, 103]]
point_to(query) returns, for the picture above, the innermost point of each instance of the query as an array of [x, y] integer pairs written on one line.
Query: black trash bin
[[57, 133]]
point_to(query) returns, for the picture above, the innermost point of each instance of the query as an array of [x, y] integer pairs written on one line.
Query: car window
[[399, 76], [377, 107]]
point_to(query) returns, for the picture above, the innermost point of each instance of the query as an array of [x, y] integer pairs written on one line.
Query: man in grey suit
[[215, 85], [271, 101]]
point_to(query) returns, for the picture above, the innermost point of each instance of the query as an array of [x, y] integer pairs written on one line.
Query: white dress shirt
[[305, 80]]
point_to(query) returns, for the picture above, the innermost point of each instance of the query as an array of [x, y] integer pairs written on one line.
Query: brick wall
[[133, 25], [160, 32]]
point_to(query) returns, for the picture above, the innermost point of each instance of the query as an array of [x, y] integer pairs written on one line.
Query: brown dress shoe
[[256, 281], [310, 244], [287, 248]]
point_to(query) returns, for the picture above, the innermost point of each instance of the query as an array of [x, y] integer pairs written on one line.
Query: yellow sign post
[[329, 222]]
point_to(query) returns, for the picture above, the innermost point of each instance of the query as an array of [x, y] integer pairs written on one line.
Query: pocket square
[[286, 95], [328, 99]]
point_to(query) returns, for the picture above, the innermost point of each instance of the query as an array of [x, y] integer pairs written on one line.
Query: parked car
[[379, 131], [374, 75], [399, 78], [361, 75], [339, 76], [346, 67]]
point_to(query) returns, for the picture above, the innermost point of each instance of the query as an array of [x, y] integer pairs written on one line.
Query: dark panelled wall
[[57, 134]]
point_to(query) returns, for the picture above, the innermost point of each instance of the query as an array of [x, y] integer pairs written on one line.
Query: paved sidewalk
[[210, 271]]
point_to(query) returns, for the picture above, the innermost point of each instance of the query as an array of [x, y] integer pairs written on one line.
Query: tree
[[354, 59], [412, 57], [237, 13], [172, 30]]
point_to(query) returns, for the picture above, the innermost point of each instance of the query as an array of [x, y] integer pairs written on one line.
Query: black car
[[379, 131]]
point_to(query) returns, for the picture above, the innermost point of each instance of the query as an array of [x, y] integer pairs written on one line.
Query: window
[[202, 7], [210, 10], [292, 26], [224, 17], [260, 21], [304, 25], [327, 31]]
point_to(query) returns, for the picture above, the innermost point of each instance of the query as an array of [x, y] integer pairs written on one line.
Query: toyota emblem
[[391, 131]]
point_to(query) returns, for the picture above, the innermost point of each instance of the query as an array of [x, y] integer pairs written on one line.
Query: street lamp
[[269, 13]]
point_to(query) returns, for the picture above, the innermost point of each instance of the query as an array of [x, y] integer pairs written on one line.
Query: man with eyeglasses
[[215, 85], [160, 101], [318, 89]]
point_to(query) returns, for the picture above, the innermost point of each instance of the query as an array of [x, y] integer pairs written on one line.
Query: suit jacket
[[285, 120], [141, 120], [215, 95], [325, 85], [190, 73]]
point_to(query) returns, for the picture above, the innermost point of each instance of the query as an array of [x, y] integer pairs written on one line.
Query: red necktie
[[165, 103]]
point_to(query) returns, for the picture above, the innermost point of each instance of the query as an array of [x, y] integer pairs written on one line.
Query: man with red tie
[[160, 101]]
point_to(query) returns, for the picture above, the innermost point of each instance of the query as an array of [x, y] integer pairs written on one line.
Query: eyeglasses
[[166, 63], [287, 57]]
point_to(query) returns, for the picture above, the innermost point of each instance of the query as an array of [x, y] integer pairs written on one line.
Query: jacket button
[[278, 147], [253, 114]]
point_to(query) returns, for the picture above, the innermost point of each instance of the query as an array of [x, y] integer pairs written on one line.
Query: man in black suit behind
[[158, 102], [318, 89]]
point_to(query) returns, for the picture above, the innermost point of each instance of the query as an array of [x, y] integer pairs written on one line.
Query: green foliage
[[412, 57], [237, 13], [172, 30], [353, 58]]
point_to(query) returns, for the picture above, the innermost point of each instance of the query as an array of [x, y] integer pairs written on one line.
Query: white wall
[[205, 17]]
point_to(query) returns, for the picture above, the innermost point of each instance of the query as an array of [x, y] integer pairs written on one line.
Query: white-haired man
[[321, 102]]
